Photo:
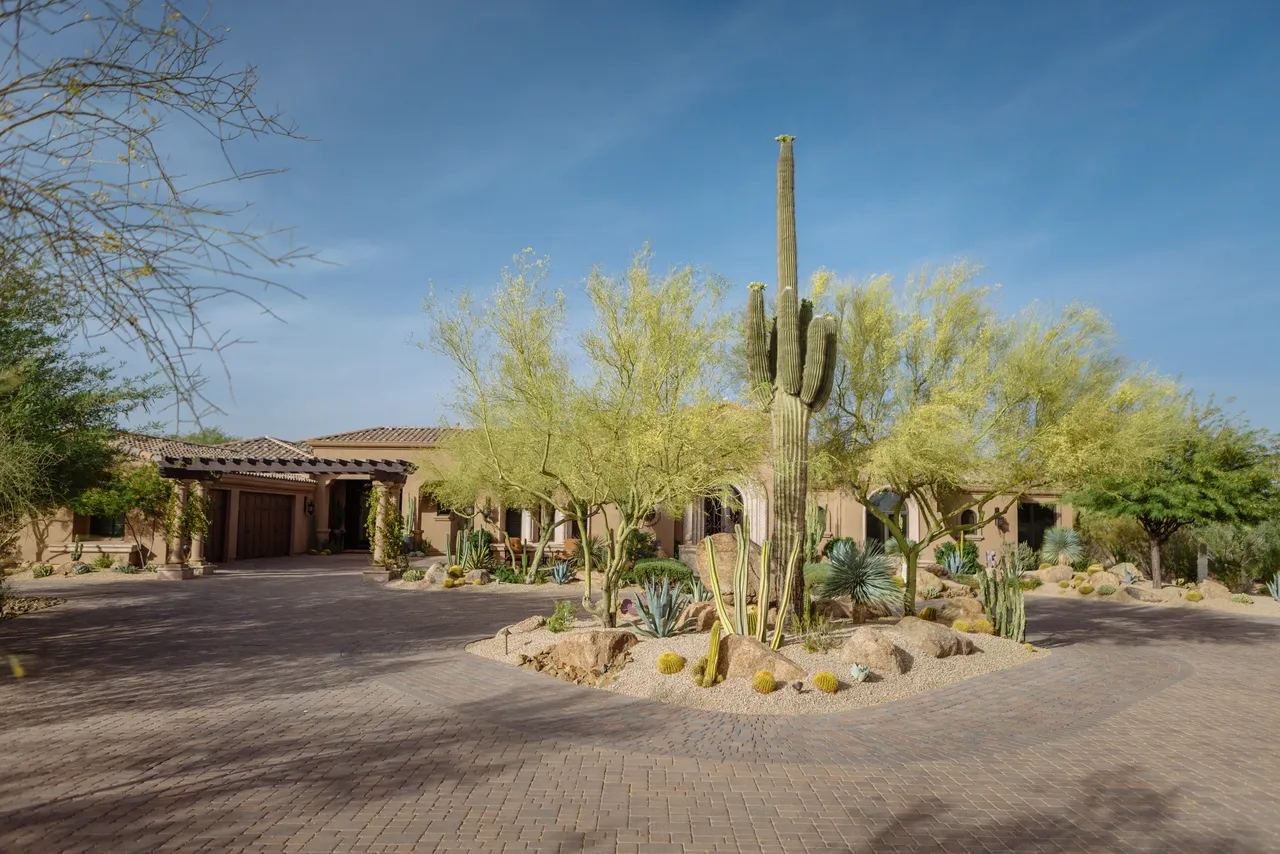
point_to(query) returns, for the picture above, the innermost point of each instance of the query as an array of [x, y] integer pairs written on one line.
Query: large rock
[[699, 616], [1126, 572], [478, 575], [726, 547], [593, 650], [926, 579], [933, 639], [528, 624], [960, 609], [1100, 578], [1142, 594], [1211, 589], [874, 649], [833, 609], [435, 574], [1054, 574], [954, 590], [745, 657]]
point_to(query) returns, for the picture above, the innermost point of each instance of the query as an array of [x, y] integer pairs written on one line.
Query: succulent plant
[[1273, 587], [961, 625], [1030, 582], [1084, 589], [700, 670], [763, 682], [414, 574], [954, 562], [1194, 596], [826, 682], [660, 607], [929, 613], [1062, 546], [1242, 599], [81, 568], [562, 618], [41, 570], [866, 575], [448, 582], [708, 676], [1029, 647], [698, 592], [126, 569], [1064, 584], [1106, 589], [479, 581], [562, 572], [859, 672], [982, 627], [670, 662], [931, 593]]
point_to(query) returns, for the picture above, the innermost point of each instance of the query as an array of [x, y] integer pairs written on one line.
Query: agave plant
[[863, 574], [1061, 546], [660, 607], [698, 592], [562, 572], [1273, 587], [955, 564]]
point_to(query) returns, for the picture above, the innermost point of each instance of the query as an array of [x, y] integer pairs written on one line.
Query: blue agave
[[562, 572], [1273, 587], [955, 564], [660, 607]]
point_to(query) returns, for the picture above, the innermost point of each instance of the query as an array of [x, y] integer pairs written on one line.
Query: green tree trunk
[[909, 589]]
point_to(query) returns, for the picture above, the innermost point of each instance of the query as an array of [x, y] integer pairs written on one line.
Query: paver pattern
[[285, 706]]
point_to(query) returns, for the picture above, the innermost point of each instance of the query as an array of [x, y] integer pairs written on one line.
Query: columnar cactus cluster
[[791, 363]]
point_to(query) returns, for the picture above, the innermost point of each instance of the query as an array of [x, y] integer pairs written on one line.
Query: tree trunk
[[790, 489], [1155, 561], [909, 589]]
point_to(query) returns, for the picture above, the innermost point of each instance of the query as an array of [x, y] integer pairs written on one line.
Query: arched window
[[722, 513], [892, 505]]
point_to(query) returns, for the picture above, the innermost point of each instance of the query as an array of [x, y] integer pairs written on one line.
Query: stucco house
[[267, 497]]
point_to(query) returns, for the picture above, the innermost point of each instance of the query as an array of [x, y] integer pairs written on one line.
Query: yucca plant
[[1061, 546], [599, 550], [866, 575], [955, 564], [660, 607]]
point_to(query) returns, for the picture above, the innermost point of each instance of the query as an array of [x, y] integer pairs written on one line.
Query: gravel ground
[[1263, 605], [97, 575], [16, 606], [641, 678]]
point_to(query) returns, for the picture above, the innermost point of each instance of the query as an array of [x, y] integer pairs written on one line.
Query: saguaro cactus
[[790, 365]]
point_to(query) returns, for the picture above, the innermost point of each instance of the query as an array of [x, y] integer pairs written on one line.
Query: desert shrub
[[103, 561], [1084, 589], [1106, 589], [41, 570], [929, 613], [507, 575], [1020, 556], [816, 634], [127, 569], [1242, 599], [670, 662], [640, 545], [1064, 584], [562, 618], [965, 562], [81, 569], [1113, 540], [1194, 596], [982, 627], [151, 567], [763, 682], [1030, 582], [1239, 553], [866, 575], [826, 682], [931, 593], [961, 625], [655, 568], [414, 574]]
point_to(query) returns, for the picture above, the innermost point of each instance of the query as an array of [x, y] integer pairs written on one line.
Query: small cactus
[[929, 613], [671, 662], [1064, 584], [709, 677], [1242, 599], [1085, 589], [448, 582], [1095, 567], [859, 672], [700, 669], [962, 626], [1029, 647], [826, 682], [1194, 596], [1106, 589], [763, 682], [982, 627], [1046, 566], [42, 570]]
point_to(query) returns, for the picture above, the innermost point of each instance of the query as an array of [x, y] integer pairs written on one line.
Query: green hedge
[[656, 567]]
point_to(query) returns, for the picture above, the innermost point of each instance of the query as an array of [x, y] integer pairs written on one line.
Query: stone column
[[320, 496], [175, 568], [196, 560], [380, 522]]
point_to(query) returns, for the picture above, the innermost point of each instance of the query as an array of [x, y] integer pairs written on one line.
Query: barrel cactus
[[826, 682], [670, 662], [763, 682], [790, 364]]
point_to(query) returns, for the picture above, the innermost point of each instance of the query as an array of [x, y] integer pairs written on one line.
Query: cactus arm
[[790, 359], [721, 611], [786, 597], [763, 616], [816, 365], [713, 658], [741, 583], [759, 333]]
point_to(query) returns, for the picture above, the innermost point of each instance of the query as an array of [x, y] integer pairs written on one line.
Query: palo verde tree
[[95, 99], [790, 363], [1212, 470], [642, 427], [940, 402]]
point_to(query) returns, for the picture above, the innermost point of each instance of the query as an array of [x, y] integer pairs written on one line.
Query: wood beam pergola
[[201, 468]]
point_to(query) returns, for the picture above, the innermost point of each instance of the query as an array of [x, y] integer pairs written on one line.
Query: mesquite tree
[[790, 361]]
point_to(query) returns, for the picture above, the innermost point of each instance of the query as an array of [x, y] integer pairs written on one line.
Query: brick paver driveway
[[286, 706]]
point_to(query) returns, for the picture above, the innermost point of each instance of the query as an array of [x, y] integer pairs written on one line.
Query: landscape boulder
[[593, 650], [1054, 574], [959, 609], [435, 574], [1142, 594], [874, 649], [1126, 572], [528, 624], [1211, 589], [726, 547], [833, 609], [934, 640], [926, 579], [741, 656], [1100, 578], [481, 575], [954, 590], [699, 616]]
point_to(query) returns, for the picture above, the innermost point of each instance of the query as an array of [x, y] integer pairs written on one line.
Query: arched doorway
[[891, 505], [722, 514], [1034, 519]]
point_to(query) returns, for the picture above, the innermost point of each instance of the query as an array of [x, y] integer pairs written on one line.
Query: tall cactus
[[790, 365]]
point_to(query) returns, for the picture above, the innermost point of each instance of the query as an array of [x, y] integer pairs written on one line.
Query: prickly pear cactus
[[790, 365]]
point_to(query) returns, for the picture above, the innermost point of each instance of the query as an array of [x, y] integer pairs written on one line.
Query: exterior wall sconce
[[308, 506]]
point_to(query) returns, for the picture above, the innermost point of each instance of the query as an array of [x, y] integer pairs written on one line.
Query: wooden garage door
[[265, 526]]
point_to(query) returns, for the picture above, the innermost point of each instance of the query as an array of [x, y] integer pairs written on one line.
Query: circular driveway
[[286, 706]]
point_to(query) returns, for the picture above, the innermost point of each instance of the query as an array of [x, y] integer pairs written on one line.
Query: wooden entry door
[[215, 547], [265, 527]]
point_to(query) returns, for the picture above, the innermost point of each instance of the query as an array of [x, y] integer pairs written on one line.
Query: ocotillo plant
[[791, 360]]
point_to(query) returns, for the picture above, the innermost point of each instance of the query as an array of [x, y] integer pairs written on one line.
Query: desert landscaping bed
[[635, 673], [1106, 586], [63, 573], [16, 606]]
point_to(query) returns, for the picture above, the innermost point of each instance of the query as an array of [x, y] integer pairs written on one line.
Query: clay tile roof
[[386, 436], [155, 447], [266, 447]]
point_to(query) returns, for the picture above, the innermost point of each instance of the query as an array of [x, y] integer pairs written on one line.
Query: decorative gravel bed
[[1262, 606], [61, 574], [17, 605], [640, 677]]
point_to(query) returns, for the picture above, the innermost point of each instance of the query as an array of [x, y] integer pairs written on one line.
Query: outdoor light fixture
[[308, 506]]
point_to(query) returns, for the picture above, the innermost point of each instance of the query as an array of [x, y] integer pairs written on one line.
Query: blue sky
[[1124, 154]]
